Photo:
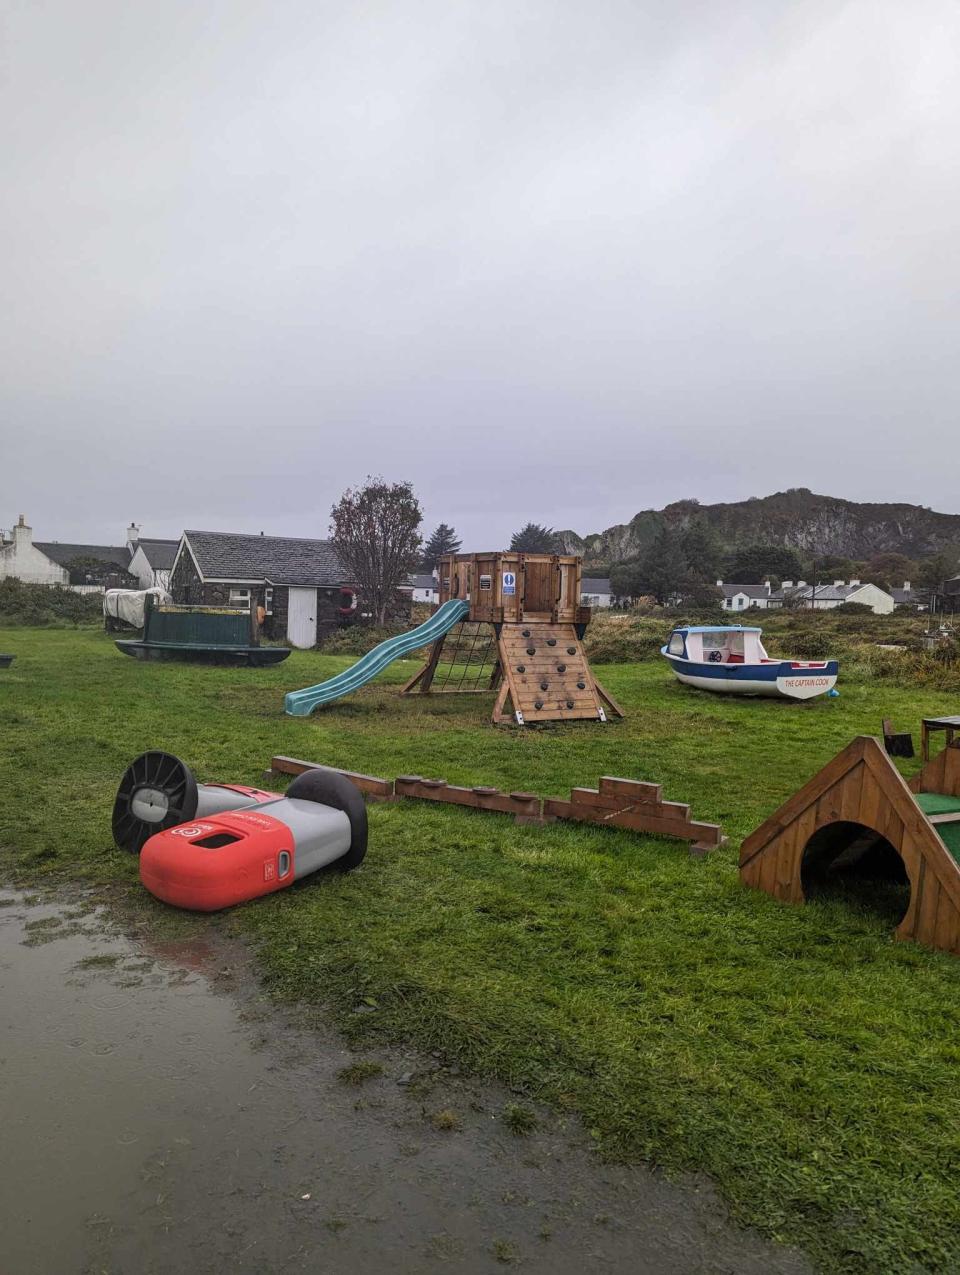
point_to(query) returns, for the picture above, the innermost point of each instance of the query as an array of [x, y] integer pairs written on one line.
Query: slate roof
[[825, 592], [160, 553], [423, 581], [224, 555], [902, 596], [66, 553], [594, 584], [748, 590]]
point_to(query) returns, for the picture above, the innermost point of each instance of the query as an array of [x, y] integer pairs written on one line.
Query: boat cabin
[[724, 645]]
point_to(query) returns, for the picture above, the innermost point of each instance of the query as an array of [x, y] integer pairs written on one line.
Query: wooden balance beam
[[617, 803]]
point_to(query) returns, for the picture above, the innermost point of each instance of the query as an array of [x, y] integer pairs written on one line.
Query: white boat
[[731, 658]]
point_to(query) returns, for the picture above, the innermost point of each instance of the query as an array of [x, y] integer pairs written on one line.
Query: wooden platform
[[862, 787]]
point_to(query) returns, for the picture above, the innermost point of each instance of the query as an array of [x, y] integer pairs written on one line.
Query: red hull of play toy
[[215, 862]]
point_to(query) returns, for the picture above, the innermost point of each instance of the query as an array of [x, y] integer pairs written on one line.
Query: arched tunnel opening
[[855, 865]]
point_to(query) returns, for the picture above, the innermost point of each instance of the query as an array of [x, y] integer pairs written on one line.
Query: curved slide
[[301, 703]]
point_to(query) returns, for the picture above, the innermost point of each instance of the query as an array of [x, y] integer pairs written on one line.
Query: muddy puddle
[[158, 1115]]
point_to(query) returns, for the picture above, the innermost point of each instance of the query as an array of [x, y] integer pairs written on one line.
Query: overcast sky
[[549, 260]]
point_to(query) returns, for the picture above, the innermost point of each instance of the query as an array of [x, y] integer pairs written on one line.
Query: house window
[[268, 600], [239, 597]]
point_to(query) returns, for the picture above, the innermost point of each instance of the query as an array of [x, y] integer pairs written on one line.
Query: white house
[[83, 568], [595, 592], [426, 588], [151, 561], [824, 597], [740, 597], [910, 597]]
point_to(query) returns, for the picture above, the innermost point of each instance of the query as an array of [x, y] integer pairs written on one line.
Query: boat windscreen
[[721, 644]]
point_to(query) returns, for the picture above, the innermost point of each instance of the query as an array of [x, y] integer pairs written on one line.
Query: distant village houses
[[595, 591], [426, 587], [83, 568], [819, 597], [740, 597]]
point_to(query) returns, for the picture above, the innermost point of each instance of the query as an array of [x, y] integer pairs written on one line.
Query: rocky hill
[[798, 519]]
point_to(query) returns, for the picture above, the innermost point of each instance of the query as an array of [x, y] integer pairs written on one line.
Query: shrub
[[358, 639], [46, 605]]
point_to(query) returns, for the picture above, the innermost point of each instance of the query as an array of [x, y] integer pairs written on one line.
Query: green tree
[[626, 579], [443, 540], [831, 566], [889, 570], [534, 539], [751, 563], [664, 567], [701, 548], [932, 572], [375, 533], [695, 591]]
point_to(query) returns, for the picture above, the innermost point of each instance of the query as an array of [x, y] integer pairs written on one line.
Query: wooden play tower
[[522, 637]]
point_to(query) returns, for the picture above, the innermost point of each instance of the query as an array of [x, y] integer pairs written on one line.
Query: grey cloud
[[549, 261]]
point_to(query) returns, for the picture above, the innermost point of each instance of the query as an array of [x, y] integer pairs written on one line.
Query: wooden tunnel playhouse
[[523, 637], [859, 808]]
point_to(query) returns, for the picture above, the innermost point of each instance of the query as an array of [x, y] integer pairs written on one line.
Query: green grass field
[[800, 1056]]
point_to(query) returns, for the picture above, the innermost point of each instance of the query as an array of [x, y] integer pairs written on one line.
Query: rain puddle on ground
[[159, 1116]]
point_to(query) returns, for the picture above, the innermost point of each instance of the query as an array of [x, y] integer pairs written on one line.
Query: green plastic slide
[[302, 703]]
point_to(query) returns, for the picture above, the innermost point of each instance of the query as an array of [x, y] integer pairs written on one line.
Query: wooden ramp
[[546, 677], [861, 788]]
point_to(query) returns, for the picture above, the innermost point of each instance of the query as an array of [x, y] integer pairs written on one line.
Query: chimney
[[22, 534], [854, 583], [766, 585], [133, 535], [906, 586], [837, 584], [801, 584], [719, 584], [786, 584]]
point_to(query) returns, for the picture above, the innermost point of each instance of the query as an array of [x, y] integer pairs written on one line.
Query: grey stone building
[[299, 583]]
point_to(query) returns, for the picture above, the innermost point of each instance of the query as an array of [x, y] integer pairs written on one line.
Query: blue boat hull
[[781, 679]]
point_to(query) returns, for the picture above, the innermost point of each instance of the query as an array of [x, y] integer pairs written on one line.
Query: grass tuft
[[521, 1121], [359, 1072]]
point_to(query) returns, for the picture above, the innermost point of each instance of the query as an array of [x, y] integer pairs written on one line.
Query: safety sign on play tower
[[509, 582]]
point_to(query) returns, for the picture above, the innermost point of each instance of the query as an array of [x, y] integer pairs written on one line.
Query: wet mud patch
[[165, 1116]]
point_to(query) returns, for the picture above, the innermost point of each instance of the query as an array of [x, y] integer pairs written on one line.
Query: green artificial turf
[[800, 1056]]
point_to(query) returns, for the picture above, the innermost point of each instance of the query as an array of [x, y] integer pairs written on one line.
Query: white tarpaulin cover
[[128, 605]]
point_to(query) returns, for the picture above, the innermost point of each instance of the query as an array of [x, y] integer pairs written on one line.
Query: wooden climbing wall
[[546, 677]]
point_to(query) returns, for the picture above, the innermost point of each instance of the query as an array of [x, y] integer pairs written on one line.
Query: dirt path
[[159, 1116]]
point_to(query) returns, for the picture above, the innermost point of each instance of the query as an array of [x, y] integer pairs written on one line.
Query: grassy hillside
[[799, 1056]]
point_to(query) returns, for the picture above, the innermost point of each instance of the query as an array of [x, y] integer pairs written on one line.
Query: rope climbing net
[[467, 660]]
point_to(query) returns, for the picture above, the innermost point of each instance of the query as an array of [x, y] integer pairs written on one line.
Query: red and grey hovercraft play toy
[[208, 846]]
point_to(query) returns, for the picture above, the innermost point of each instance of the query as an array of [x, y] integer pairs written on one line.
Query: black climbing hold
[[581, 686], [538, 703], [551, 641], [521, 668], [571, 650], [526, 632], [561, 668], [569, 703], [544, 685], [531, 650]]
